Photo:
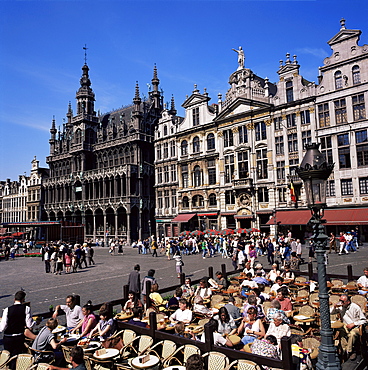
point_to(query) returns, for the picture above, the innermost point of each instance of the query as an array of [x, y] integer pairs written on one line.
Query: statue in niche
[[241, 57]]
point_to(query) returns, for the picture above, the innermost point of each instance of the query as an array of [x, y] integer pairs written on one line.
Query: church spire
[[136, 113], [69, 115], [53, 132], [85, 95], [155, 94], [173, 111]]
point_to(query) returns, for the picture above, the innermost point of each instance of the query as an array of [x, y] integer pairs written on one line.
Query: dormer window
[[289, 91], [195, 113], [338, 80], [356, 75]]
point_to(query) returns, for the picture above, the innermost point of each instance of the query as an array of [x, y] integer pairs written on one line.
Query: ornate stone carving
[[250, 126]]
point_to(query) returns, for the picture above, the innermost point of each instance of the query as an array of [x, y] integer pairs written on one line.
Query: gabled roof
[[343, 35], [194, 99]]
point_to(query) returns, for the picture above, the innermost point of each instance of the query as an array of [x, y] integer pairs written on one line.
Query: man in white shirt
[[352, 317], [363, 282], [73, 312], [183, 313]]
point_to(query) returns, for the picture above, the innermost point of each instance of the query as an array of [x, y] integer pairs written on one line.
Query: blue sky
[[41, 54]]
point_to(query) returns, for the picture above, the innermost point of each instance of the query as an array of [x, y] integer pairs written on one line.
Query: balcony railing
[[243, 183]]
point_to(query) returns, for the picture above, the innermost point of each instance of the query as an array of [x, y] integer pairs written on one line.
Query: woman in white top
[[251, 327], [226, 324], [203, 290], [278, 328], [274, 273]]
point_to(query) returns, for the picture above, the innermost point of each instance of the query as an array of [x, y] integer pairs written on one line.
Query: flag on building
[[292, 192]]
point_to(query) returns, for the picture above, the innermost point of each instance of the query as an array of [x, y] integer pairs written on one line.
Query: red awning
[[207, 214], [184, 217], [350, 216], [292, 217]]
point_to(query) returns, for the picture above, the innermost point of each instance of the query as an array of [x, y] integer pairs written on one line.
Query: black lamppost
[[314, 171]]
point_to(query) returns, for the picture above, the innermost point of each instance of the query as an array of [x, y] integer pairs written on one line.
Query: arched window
[[210, 141], [184, 147], [212, 199], [165, 130], [197, 176], [78, 136], [356, 75], [196, 145], [185, 202], [197, 201], [338, 80]]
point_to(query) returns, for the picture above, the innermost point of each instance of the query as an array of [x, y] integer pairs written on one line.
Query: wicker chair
[[66, 352], [168, 348], [39, 366], [313, 343], [24, 361], [215, 299], [243, 365], [4, 358], [181, 355], [42, 356], [337, 286], [313, 297], [307, 311], [144, 344], [87, 363], [360, 300], [300, 279], [216, 360], [333, 299], [102, 364]]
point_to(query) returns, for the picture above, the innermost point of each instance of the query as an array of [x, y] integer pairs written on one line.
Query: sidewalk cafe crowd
[[250, 311]]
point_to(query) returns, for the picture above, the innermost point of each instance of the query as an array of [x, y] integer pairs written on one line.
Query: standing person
[[342, 241], [15, 320], [78, 255], [91, 253], [149, 277], [178, 263], [53, 259], [59, 262], [299, 249], [84, 254], [47, 261], [73, 312], [134, 280], [68, 261], [332, 243], [270, 252], [154, 247]]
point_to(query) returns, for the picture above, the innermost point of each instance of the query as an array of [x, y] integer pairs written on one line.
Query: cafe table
[[301, 319], [110, 353], [152, 363], [123, 316]]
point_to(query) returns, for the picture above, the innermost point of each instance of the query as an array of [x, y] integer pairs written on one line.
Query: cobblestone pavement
[[103, 281]]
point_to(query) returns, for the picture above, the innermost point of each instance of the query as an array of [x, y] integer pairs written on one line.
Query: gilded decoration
[[244, 199], [250, 126], [244, 212]]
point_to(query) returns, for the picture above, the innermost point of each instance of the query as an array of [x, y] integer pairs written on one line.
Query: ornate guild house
[[101, 172]]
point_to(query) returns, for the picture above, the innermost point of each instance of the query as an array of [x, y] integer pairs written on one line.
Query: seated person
[[278, 284], [278, 328], [287, 273], [73, 312], [252, 302], [266, 347], [155, 296], [363, 282], [226, 324], [285, 302], [276, 308], [259, 279], [183, 313], [187, 289], [259, 267], [248, 283], [352, 317], [194, 362], [174, 301], [203, 290], [274, 273], [89, 321], [45, 341], [218, 339], [294, 262], [133, 301], [137, 318], [106, 327], [220, 281], [300, 356], [200, 308], [76, 358], [234, 311], [248, 268], [181, 332], [251, 328]]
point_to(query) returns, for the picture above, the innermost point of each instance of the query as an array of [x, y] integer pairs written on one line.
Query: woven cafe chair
[[102, 364], [24, 361], [144, 344], [216, 298], [203, 322], [181, 355], [4, 358], [243, 365], [40, 366], [313, 343], [168, 348], [337, 286], [216, 360], [307, 311], [87, 363], [333, 299], [313, 297], [300, 279], [66, 352], [42, 356], [360, 300]]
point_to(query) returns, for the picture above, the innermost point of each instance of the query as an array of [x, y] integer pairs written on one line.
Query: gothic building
[[236, 159], [101, 166]]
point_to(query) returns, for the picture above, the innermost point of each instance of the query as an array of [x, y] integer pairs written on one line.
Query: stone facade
[[237, 158]]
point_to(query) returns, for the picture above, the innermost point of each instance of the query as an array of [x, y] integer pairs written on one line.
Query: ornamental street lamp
[[314, 171]]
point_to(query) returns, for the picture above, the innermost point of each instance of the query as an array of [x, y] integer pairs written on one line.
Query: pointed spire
[[69, 115], [53, 130], [173, 111], [155, 81], [137, 99]]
